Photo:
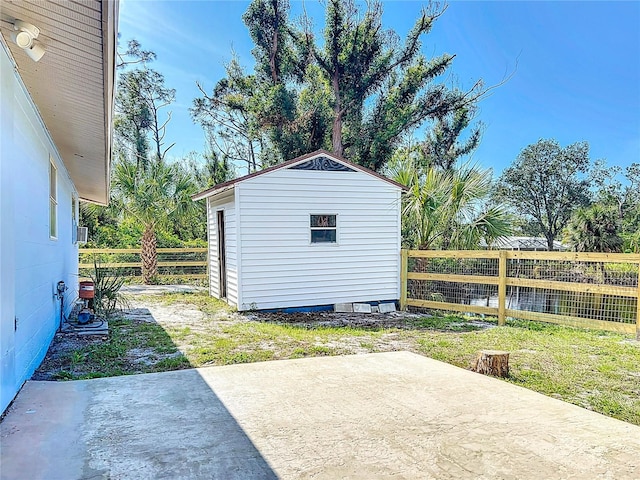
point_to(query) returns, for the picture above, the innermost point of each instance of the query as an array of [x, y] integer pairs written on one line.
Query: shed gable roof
[[318, 160]]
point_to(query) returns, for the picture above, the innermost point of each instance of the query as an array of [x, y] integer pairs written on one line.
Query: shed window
[[323, 228], [53, 201]]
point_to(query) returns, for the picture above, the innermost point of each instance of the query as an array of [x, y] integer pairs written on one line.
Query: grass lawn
[[596, 370]]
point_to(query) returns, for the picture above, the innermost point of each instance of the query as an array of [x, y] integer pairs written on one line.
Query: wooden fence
[[592, 290], [172, 262]]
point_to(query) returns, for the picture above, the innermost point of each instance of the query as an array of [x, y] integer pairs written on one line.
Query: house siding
[[31, 263], [281, 268], [214, 205]]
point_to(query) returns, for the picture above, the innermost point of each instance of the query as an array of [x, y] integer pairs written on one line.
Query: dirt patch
[[373, 321], [153, 336], [60, 354]]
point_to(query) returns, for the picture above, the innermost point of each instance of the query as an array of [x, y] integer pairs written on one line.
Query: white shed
[[314, 231]]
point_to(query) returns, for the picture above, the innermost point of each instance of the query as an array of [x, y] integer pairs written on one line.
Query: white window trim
[[53, 200], [75, 212], [326, 244]]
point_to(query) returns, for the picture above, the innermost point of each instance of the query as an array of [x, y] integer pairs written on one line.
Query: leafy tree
[[621, 198], [381, 89], [134, 54], [149, 196], [228, 117], [141, 96], [447, 209], [280, 111], [544, 184], [132, 120], [595, 229], [153, 197], [209, 169], [359, 93], [443, 146]]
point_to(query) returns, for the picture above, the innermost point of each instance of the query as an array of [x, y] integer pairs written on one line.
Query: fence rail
[[173, 262], [592, 290]]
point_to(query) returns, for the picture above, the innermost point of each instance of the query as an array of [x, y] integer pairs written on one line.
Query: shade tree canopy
[[546, 183]]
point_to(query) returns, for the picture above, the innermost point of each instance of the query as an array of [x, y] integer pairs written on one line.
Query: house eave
[[72, 86]]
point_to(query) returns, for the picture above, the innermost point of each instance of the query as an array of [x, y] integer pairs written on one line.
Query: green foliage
[[149, 196], [141, 95], [359, 92], [621, 198], [107, 283], [381, 88], [442, 147], [228, 117], [595, 229], [545, 184], [447, 209], [153, 196]]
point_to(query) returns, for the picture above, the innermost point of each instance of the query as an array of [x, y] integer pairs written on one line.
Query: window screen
[[323, 228]]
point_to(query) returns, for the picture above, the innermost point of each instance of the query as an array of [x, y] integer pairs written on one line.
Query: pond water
[[587, 305]]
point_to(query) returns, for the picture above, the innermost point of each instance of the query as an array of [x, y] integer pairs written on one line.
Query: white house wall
[[279, 265], [31, 263], [214, 205]]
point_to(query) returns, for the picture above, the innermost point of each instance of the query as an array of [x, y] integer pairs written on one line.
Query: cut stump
[[492, 362]]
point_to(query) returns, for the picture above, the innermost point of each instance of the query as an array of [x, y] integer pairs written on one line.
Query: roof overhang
[[72, 85], [222, 187]]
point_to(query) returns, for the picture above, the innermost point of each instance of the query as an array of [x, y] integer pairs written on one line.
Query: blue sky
[[577, 76]]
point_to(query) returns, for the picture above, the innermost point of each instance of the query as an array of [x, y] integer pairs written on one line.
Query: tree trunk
[[336, 134], [492, 362], [149, 256], [549, 243]]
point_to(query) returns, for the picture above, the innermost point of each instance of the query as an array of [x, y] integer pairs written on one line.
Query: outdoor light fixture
[[25, 37]]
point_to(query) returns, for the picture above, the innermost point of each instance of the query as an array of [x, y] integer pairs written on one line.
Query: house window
[[53, 200], [323, 229]]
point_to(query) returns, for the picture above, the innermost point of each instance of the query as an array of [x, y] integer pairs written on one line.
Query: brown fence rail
[[172, 262], [592, 290]]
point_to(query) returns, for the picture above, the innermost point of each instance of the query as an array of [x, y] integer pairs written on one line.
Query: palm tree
[[447, 209], [595, 229], [152, 196]]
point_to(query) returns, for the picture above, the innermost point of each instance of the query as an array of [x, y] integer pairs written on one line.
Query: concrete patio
[[389, 415]]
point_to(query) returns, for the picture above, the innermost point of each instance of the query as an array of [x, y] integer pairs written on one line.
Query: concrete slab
[[361, 308], [391, 415], [387, 307], [343, 307]]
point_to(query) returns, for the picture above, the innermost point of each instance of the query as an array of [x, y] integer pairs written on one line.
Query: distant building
[[311, 232], [525, 243]]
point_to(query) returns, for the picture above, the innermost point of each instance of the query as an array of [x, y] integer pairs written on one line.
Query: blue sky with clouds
[[575, 65]]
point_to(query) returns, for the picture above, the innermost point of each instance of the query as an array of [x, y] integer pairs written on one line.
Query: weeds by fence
[[173, 263], [593, 290]]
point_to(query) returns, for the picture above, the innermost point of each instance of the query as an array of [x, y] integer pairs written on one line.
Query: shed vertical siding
[[214, 205], [282, 268], [31, 263]]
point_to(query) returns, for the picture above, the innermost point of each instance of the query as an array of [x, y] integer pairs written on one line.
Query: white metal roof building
[[525, 243]]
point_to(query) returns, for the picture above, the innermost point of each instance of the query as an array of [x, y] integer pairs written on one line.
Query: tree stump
[[492, 362]]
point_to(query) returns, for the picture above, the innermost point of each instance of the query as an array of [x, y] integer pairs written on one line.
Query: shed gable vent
[[322, 163]]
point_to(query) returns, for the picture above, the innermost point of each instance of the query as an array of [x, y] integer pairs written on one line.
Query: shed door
[[222, 262]]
